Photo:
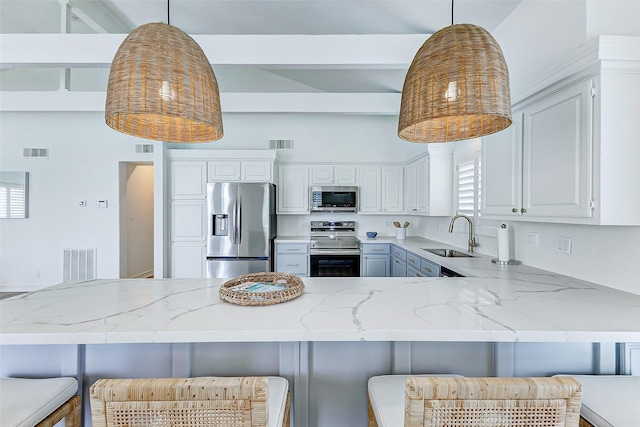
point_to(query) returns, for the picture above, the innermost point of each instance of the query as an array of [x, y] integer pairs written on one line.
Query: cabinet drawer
[[413, 261], [292, 248], [412, 272], [401, 254], [294, 264], [429, 268], [375, 249]]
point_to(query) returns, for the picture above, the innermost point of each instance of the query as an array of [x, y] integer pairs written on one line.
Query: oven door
[[335, 264]]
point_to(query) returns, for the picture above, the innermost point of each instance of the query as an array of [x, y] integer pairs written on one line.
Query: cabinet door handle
[[426, 269], [514, 210], [411, 261]]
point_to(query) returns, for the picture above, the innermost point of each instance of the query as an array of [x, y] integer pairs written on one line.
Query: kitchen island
[[328, 341]]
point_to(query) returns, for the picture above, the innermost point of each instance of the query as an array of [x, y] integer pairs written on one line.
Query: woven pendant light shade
[[456, 88], [162, 87]]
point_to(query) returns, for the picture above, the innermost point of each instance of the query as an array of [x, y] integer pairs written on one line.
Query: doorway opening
[[136, 219]]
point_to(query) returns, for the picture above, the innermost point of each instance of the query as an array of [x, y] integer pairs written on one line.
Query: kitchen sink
[[448, 253]]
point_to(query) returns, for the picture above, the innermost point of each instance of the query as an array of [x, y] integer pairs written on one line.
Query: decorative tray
[[261, 288]]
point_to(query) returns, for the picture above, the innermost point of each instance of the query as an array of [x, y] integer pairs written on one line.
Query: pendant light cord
[[451, 12]]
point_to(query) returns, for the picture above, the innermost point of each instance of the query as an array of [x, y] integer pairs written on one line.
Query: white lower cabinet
[[375, 260], [188, 260], [292, 258], [188, 234]]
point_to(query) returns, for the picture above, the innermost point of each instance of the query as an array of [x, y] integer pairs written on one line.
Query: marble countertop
[[526, 306]]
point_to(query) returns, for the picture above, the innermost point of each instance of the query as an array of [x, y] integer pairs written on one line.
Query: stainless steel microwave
[[334, 199]]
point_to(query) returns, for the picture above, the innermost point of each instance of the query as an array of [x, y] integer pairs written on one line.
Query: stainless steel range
[[335, 249]]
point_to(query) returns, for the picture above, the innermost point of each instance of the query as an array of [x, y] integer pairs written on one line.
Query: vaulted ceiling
[[294, 47]]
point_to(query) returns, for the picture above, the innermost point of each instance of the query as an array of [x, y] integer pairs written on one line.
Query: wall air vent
[[79, 264], [281, 144], [144, 148], [35, 152]]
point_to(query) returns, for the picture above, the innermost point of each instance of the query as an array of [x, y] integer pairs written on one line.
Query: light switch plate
[[103, 203]]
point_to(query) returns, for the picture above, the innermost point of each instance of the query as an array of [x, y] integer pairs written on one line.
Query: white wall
[[317, 138], [541, 32], [83, 164]]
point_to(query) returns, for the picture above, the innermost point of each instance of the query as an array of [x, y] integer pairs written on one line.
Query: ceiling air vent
[[281, 144], [35, 152], [144, 148]]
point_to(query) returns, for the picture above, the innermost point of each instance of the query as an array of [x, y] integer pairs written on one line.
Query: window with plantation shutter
[[469, 187], [12, 201]]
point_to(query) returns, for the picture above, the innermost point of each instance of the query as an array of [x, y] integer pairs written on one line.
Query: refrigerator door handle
[[239, 204]]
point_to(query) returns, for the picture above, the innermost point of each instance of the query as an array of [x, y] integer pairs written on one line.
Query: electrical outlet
[[563, 245], [387, 223], [102, 203], [532, 240]]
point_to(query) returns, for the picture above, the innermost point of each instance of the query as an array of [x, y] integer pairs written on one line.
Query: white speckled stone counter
[[523, 307], [327, 342]]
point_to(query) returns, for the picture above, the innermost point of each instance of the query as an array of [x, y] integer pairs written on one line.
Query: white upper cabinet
[[236, 170], [541, 166], [571, 154], [370, 189], [188, 179], [428, 184], [293, 189], [502, 171], [557, 147], [337, 175], [392, 189]]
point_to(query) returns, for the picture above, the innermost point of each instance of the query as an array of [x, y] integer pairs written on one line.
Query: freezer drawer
[[219, 268]]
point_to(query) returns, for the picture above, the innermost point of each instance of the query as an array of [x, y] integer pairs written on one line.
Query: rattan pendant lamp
[[162, 87], [456, 88]]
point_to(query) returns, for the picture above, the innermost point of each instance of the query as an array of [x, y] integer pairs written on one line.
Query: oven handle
[[334, 252]]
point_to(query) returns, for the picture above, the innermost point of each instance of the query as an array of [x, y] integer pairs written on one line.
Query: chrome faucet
[[472, 240]]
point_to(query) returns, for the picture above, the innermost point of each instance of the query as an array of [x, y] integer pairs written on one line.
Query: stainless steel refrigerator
[[241, 228]]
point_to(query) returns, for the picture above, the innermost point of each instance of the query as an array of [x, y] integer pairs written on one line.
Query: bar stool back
[[203, 401], [461, 401]]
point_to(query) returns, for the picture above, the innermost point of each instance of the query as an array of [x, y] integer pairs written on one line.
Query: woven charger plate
[[261, 288]]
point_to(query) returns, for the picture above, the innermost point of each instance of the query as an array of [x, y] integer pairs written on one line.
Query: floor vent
[[79, 264], [281, 144], [144, 148], [35, 152]]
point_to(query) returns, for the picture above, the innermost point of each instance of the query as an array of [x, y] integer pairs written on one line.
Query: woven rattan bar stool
[[39, 402], [459, 401], [191, 402], [386, 395]]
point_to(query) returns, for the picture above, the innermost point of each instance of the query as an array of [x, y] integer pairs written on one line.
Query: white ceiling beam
[[343, 103], [97, 50]]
